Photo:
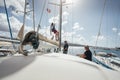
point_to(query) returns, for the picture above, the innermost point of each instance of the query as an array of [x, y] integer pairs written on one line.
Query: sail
[[21, 33]]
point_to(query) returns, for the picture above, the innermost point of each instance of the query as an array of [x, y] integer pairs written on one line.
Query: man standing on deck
[[65, 48]]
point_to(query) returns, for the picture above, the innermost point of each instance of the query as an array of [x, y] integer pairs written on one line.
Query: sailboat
[[53, 66]]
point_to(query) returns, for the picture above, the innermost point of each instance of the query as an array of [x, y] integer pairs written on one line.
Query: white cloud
[[65, 13], [101, 38], [77, 27], [81, 39], [3, 22], [119, 33], [64, 22], [68, 34], [65, 16], [72, 38], [54, 19], [17, 4], [15, 25], [17, 7], [114, 29], [46, 32]]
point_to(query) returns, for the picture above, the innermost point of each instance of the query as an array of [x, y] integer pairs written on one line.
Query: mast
[[60, 25]]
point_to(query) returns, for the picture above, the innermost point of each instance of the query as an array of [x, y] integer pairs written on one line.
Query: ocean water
[[80, 50]]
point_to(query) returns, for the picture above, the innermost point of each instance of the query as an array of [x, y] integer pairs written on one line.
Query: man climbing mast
[[53, 29]]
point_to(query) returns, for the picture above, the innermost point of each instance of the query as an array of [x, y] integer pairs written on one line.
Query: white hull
[[53, 66]]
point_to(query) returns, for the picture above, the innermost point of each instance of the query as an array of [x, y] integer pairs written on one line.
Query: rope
[[41, 17], [100, 23], [11, 36], [72, 15], [8, 20], [118, 28]]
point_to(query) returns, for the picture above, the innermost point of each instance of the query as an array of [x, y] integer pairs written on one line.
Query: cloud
[[3, 22], [16, 4], [65, 16], [54, 19], [65, 13], [81, 39], [72, 38], [46, 32], [17, 7], [64, 22], [68, 34], [119, 33], [15, 25], [77, 27], [100, 38], [114, 29], [5, 34]]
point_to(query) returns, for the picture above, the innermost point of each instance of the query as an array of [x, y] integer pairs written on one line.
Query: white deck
[[53, 66]]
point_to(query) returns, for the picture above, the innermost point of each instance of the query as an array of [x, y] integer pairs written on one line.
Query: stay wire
[[41, 17], [100, 23], [9, 24]]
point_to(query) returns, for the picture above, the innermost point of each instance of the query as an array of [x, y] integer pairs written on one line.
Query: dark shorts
[[55, 31]]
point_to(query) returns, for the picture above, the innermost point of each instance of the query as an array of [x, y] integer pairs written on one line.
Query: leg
[[65, 52], [57, 36]]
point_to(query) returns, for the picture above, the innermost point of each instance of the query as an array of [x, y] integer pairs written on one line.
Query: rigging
[[100, 23], [41, 16], [9, 24]]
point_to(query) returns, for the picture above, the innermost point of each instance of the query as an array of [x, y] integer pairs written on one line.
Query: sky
[[81, 20]]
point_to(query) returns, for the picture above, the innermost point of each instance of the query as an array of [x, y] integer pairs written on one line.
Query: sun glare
[[72, 1], [69, 1]]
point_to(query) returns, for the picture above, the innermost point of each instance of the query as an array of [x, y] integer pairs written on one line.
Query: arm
[[81, 55]]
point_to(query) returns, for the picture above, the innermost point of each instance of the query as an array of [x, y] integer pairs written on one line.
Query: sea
[[81, 50]]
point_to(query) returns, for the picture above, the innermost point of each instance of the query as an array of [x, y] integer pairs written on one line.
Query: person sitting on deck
[[87, 54], [54, 31]]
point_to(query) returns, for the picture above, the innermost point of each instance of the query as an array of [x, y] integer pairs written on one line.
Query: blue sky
[[81, 20]]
